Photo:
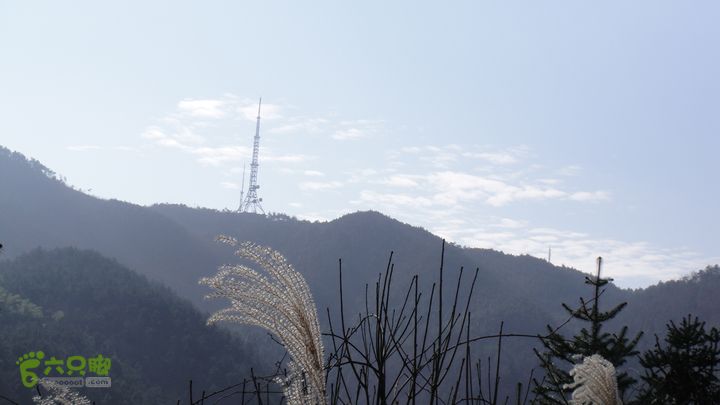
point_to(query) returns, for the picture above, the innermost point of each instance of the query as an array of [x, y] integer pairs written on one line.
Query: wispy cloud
[[449, 188], [288, 158], [83, 148], [510, 223], [203, 108], [175, 133], [393, 200], [313, 173], [401, 180], [216, 156], [590, 196], [315, 216], [496, 158], [443, 156], [319, 185], [348, 133], [228, 106], [450, 175], [206, 129], [570, 170], [329, 126], [230, 185], [302, 125], [91, 148], [202, 127], [499, 157]]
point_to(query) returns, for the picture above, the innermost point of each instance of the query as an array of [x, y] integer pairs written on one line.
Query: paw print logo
[[28, 362]]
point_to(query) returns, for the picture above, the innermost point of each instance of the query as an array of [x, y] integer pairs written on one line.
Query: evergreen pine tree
[[560, 353], [685, 371]]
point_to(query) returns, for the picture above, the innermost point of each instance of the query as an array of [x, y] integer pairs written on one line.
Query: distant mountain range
[[174, 245]]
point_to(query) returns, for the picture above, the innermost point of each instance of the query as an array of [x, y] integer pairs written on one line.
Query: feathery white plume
[[594, 382], [280, 302], [59, 395]]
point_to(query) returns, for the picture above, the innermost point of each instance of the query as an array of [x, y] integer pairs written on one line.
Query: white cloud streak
[[313, 173], [183, 130], [301, 125], [203, 108], [449, 188], [349, 133], [82, 148], [230, 185], [92, 148], [319, 185]]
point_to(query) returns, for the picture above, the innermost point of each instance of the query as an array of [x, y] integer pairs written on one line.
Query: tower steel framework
[[251, 201]]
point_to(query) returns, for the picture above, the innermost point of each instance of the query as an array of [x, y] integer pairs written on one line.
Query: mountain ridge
[[72, 195], [174, 244]]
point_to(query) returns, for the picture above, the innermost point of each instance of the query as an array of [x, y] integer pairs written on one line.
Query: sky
[[590, 128]]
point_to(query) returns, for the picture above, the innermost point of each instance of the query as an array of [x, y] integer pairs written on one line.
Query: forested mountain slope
[[79, 303], [38, 209]]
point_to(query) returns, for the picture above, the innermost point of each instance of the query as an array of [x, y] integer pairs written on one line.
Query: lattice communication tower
[[250, 202]]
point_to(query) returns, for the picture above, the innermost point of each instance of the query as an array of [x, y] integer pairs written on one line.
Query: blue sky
[[588, 127]]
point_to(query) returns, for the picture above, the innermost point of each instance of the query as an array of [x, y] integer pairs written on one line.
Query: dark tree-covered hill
[[69, 302]]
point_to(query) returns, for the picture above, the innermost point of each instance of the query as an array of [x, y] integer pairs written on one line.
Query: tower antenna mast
[[252, 202], [242, 189]]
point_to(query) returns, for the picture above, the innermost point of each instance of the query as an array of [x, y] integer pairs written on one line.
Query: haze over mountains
[[174, 245]]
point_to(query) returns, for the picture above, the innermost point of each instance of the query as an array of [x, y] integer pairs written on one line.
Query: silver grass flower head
[[594, 382], [59, 395], [278, 300]]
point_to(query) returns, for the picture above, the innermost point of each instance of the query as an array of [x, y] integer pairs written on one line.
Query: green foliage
[[15, 304], [93, 305], [561, 353], [694, 294], [685, 369]]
